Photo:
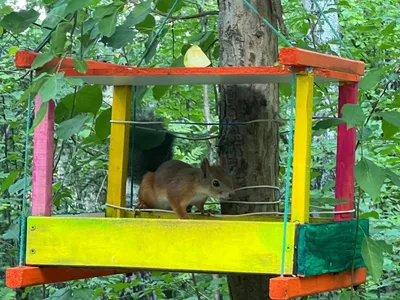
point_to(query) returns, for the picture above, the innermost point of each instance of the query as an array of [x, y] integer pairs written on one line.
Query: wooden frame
[[107, 242]]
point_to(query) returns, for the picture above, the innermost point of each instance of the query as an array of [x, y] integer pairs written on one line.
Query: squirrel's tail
[[150, 146]]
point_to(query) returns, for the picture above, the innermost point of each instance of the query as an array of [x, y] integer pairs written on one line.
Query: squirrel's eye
[[215, 183]]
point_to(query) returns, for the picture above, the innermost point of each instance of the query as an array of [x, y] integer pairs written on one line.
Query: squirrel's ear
[[205, 167]]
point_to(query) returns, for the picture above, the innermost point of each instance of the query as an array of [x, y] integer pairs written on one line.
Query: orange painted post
[[20, 277], [301, 57], [283, 288]]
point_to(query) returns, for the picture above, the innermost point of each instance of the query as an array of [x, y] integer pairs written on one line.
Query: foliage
[[123, 32]]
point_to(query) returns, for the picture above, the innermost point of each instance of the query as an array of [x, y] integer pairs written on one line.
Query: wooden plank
[[20, 277], [282, 288], [302, 149], [329, 248], [24, 59], [119, 146], [302, 57], [180, 245], [345, 155], [42, 170]]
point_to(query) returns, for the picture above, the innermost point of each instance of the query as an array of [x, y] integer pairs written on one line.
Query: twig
[[195, 16]]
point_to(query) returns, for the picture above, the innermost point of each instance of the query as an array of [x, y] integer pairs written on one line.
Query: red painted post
[[345, 157], [42, 171]]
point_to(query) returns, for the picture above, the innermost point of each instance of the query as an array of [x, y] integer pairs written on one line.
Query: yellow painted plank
[[180, 245], [119, 146], [302, 149]]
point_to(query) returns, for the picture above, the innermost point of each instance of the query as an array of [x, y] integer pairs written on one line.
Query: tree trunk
[[249, 152]]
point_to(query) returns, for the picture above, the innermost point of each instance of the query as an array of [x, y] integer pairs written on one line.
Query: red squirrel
[[177, 185]]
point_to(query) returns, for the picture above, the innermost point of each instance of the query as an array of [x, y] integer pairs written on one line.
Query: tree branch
[[199, 15]]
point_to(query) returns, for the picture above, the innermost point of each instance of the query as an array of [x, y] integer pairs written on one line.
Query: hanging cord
[[333, 29], [282, 37], [23, 217], [288, 171]]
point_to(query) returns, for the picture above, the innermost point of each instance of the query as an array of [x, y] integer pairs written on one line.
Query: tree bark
[[249, 152]]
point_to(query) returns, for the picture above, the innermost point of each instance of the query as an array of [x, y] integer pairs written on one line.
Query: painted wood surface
[[119, 146], [301, 57], [42, 169], [292, 287], [302, 149], [185, 245], [20, 277], [345, 156], [117, 75], [328, 248]]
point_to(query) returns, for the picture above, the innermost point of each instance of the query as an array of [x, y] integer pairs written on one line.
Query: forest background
[[122, 32]]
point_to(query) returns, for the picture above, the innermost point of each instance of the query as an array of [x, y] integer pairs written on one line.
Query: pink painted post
[[345, 157], [42, 171]]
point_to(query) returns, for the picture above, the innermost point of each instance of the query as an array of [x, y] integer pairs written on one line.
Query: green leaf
[[70, 127], [370, 80], [369, 177], [121, 37], [12, 50], [12, 233], [74, 81], [108, 23], [389, 130], [147, 25], [393, 117], [9, 180], [74, 5], [89, 99], [385, 247], [166, 5], [138, 14], [41, 60], [17, 22], [59, 38], [373, 257], [40, 115], [80, 65], [353, 115], [83, 294], [178, 62], [16, 187], [328, 123], [393, 177], [103, 11], [103, 126], [159, 91], [371, 214], [389, 29], [50, 87], [56, 15]]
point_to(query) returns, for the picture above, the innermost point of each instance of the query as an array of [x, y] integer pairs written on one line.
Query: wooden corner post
[[345, 156], [302, 149], [42, 170], [119, 146]]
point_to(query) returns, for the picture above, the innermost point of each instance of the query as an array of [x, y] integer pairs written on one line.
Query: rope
[[333, 29], [288, 171], [283, 38], [23, 217]]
